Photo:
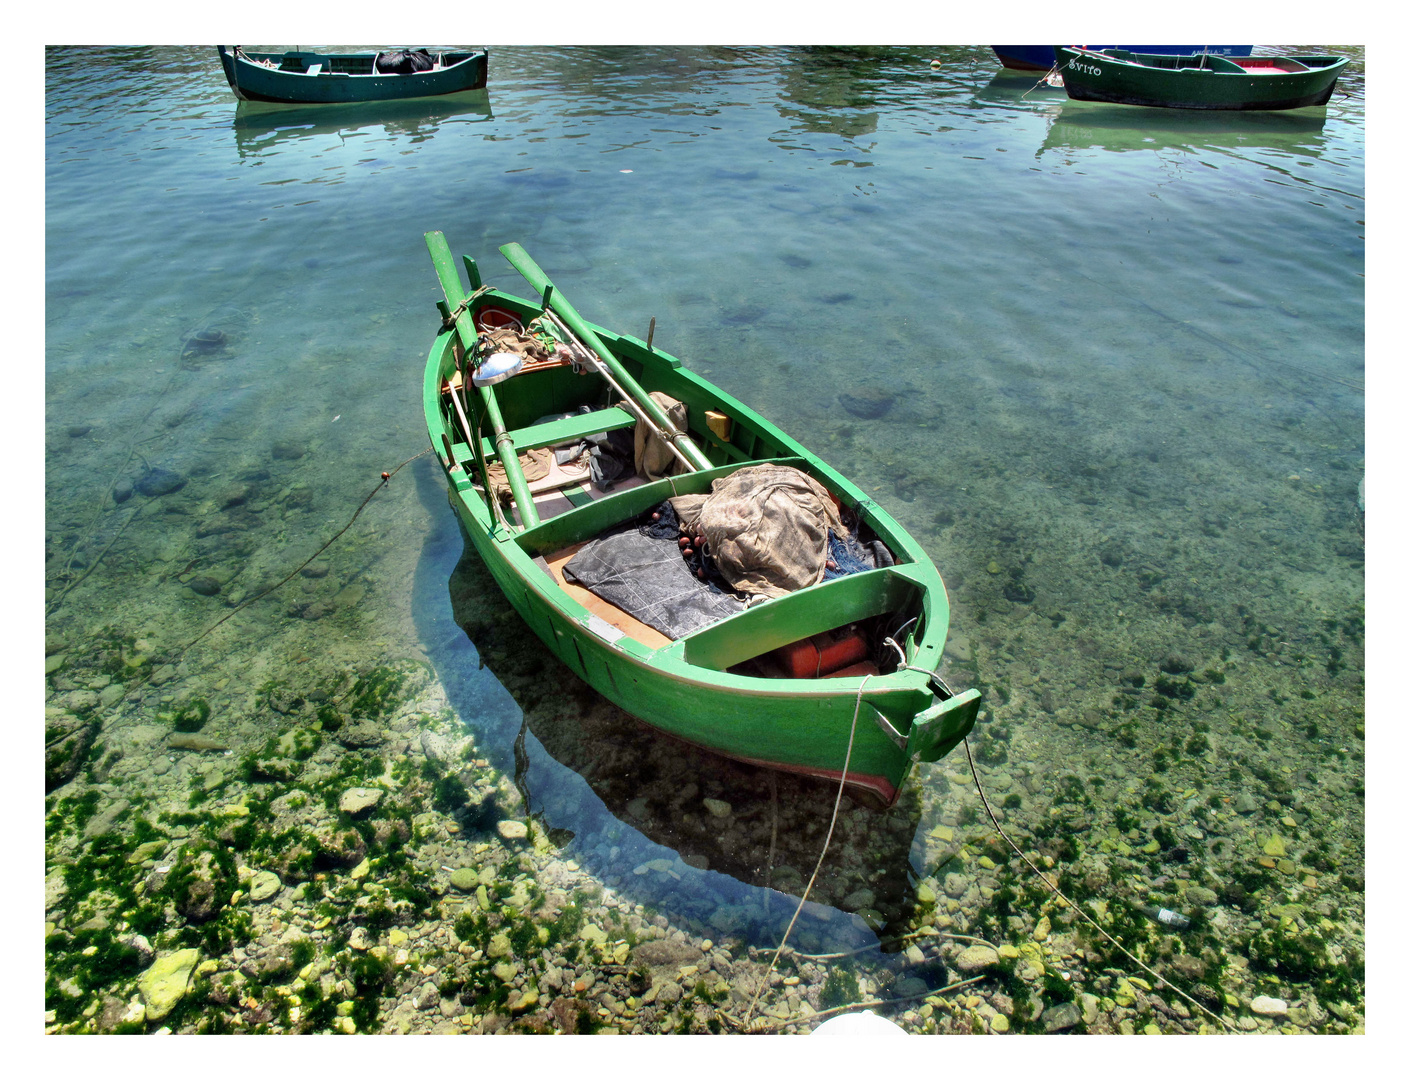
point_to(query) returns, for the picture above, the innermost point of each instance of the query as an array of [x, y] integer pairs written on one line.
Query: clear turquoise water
[[1125, 348]]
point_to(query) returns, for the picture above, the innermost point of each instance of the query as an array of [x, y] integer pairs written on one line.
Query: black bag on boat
[[404, 62]]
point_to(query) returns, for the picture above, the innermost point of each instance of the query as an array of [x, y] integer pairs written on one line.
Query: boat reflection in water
[[661, 822], [1090, 125], [261, 126], [1119, 128]]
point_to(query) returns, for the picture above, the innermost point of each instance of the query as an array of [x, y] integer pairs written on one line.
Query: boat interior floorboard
[[553, 564], [563, 489]]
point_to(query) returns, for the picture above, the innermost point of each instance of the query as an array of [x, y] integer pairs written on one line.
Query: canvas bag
[[766, 527]]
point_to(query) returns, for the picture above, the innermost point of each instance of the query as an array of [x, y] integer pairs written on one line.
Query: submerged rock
[[184, 741], [67, 740], [975, 959], [361, 733], [158, 481], [359, 800], [199, 885], [513, 830], [204, 586], [868, 402], [264, 885], [164, 983]]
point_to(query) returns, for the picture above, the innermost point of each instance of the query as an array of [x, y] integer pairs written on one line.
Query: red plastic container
[[822, 654]]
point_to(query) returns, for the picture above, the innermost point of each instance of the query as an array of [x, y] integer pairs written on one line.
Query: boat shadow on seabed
[[688, 832]]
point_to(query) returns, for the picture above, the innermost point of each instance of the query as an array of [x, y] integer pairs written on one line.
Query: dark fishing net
[[846, 556], [662, 523]]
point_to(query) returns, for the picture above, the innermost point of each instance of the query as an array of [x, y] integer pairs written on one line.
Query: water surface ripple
[[1121, 353]]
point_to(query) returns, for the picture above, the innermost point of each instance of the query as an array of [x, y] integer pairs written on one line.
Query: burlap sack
[[654, 459], [766, 527], [534, 464]]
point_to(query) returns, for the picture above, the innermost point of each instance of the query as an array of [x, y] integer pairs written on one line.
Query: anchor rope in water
[[979, 787], [1056, 69], [386, 479], [382, 483], [974, 771], [836, 806]]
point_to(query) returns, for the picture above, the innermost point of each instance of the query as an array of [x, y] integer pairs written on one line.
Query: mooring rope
[[181, 651], [386, 479], [836, 806], [1056, 69], [1058, 893]]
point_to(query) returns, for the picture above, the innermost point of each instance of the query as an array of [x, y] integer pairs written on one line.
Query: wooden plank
[[570, 430], [609, 613]]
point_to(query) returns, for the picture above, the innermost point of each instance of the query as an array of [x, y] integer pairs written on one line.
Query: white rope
[[837, 805], [1058, 893]]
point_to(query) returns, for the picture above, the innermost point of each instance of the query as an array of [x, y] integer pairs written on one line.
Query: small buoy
[[688, 552], [934, 64], [386, 476], [865, 1023]]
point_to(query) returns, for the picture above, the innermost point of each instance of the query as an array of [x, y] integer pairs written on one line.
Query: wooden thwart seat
[[571, 429]]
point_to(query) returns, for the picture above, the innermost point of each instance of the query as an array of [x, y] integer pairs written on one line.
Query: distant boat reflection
[[260, 127], [1081, 125], [1086, 125]]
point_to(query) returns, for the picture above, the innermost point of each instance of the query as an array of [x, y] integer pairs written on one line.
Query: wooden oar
[[504, 442], [585, 354], [519, 259]]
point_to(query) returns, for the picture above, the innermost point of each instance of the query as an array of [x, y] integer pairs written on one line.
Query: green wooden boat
[[721, 686], [310, 78], [1203, 81]]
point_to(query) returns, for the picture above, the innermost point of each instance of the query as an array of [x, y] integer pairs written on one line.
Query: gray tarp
[[647, 578]]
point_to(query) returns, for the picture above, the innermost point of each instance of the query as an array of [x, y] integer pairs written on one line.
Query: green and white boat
[[1202, 81], [873, 705]]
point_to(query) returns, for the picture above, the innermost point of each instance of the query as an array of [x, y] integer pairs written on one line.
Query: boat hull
[[1042, 57], [686, 688], [251, 81], [1090, 76], [793, 732]]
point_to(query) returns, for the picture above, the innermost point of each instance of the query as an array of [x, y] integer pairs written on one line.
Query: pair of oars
[[600, 358]]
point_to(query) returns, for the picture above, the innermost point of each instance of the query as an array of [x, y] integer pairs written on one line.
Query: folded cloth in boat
[[611, 456], [646, 577], [654, 459], [511, 340], [766, 527], [404, 62], [535, 465]]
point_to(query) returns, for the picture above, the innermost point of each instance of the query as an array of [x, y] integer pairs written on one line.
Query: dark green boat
[[869, 642], [1203, 81], [310, 78]]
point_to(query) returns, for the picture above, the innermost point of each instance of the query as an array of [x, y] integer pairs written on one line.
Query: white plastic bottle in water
[[1165, 916]]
